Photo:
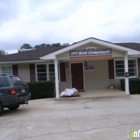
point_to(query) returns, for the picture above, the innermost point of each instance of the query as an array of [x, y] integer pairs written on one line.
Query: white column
[[56, 79], [126, 70]]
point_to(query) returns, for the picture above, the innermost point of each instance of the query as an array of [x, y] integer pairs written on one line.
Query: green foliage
[[56, 45], [41, 89], [134, 85], [26, 46], [66, 44], [40, 46], [2, 52]]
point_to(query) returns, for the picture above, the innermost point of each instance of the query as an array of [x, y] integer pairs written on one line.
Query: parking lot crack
[[51, 110], [69, 124]]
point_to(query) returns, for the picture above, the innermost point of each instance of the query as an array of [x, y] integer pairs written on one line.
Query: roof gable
[[91, 40]]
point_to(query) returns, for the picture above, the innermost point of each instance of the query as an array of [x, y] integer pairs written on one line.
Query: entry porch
[[100, 93]]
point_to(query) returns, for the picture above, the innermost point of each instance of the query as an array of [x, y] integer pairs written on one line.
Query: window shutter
[[111, 69], [138, 67], [32, 72], [15, 70], [62, 72]]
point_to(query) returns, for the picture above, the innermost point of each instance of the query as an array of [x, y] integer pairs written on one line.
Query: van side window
[[17, 81], [3, 82]]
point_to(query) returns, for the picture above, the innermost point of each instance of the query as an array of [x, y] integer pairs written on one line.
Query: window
[[7, 70], [119, 68], [42, 72], [51, 72], [45, 72], [17, 81]]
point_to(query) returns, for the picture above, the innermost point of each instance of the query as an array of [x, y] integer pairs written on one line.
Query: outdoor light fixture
[[86, 63], [66, 64]]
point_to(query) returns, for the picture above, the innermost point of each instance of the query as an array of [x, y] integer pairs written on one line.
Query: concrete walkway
[[86, 119]]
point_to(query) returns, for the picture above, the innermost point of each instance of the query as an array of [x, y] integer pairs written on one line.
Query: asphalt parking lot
[[86, 119]]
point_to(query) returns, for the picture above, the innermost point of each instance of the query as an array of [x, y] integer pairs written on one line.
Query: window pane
[[131, 65], [7, 70], [17, 81], [41, 66], [51, 67], [120, 70], [42, 79], [119, 62], [120, 66], [132, 72], [42, 72], [131, 61], [51, 72], [119, 74], [52, 78]]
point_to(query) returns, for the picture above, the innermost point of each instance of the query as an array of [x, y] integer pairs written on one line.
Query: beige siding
[[66, 84], [98, 78], [23, 71], [93, 80]]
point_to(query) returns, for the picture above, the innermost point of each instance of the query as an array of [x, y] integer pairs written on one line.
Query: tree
[[66, 44], [26, 46], [48, 45], [40, 46], [56, 45], [2, 52]]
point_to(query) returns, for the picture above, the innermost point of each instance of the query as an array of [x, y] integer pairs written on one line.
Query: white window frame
[[47, 69], [124, 68], [1, 72], [36, 70]]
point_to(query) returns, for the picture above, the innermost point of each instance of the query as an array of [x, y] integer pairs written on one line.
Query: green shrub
[[134, 85], [41, 89]]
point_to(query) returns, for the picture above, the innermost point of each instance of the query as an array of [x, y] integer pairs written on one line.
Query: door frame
[[83, 74]]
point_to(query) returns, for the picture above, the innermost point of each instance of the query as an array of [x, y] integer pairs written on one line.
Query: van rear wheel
[[13, 107], [1, 108]]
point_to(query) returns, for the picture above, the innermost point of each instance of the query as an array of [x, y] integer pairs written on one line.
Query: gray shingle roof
[[131, 45], [29, 55], [37, 53]]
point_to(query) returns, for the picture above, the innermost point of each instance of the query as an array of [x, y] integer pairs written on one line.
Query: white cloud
[[52, 21]]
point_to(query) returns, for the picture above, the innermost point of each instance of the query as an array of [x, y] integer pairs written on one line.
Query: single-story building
[[86, 65]]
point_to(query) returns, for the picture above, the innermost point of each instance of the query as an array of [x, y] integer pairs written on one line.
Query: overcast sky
[[67, 21]]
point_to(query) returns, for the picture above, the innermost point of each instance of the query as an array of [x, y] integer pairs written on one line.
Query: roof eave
[[21, 62]]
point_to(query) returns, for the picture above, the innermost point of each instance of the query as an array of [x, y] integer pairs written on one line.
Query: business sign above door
[[89, 54]]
